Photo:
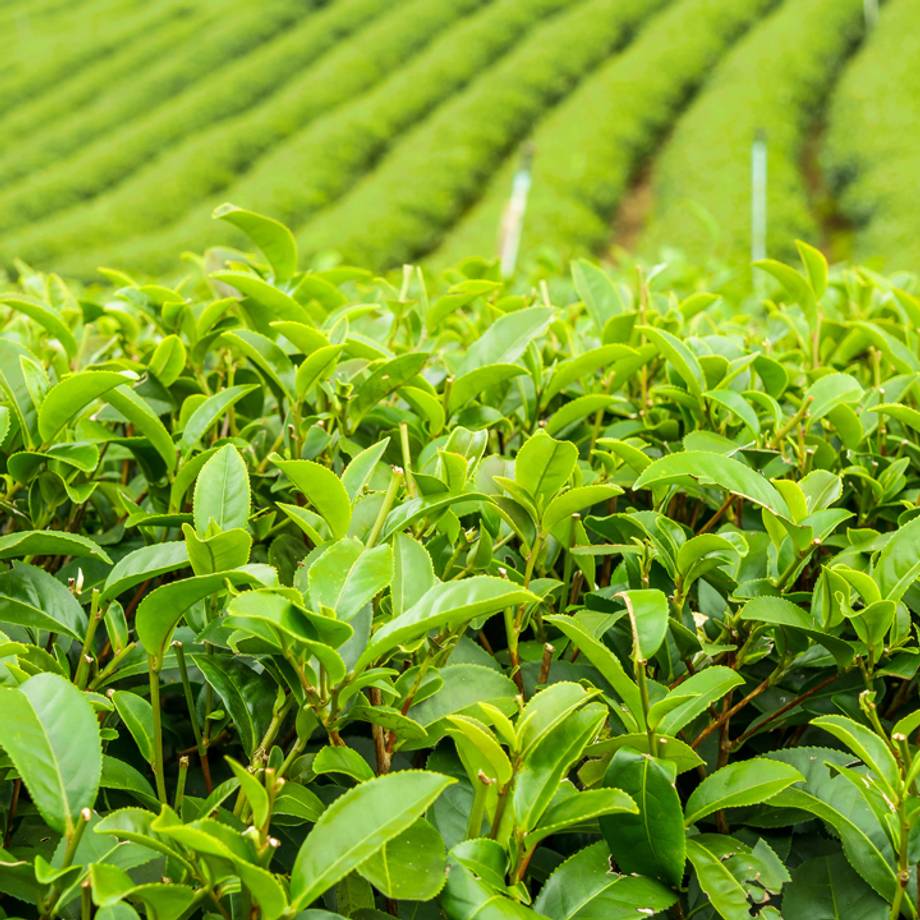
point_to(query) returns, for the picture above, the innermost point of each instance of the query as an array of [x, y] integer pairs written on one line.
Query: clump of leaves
[[320, 594]]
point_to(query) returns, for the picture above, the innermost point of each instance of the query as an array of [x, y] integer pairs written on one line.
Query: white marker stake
[[513, 221], [870, 8], [759, 197]]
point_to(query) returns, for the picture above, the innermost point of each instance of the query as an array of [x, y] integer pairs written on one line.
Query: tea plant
[[324, 596]]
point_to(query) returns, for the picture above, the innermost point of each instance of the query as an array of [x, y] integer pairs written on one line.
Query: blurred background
[[388, 131]]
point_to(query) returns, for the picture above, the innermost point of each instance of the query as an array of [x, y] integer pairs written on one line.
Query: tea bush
[[701, 182], [323, 595], [869, 154], [585, 164]]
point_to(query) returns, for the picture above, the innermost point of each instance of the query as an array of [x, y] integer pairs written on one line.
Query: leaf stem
[[388, 499], [158, 769]]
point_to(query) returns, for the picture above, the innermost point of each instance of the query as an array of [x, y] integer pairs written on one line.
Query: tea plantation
[[389, 132], [508, 508]]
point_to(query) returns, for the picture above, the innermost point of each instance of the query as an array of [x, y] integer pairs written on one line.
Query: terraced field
[[389, 132]]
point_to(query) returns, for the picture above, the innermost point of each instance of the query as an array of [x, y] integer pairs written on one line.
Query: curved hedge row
[[150, 72], [702, 190], [321, 162], [227, 89], [77, 42], [451, 154], [207, 161], [583, 165], [46, 111], [871, 153]]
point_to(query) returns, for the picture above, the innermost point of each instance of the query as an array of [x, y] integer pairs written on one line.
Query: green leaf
[[579, 808], [507, 338], [702, 689], [222, 493], [726, 894], [827, 887], [160, 611], [45, 317], [445, 604], [872, 750], [543, 465], [413, 573], [137, 714], [50, 543], [271, 236], [137, 411], [142, 564], [585, 887], [676, 353], [323, 489], [714, 469], [30, 597], [648, 616], [603, 659], [747, 782], [412, 866], [575, 501], [358, 825], [316, 368], [344, 760], [51, 734], [651, 842], [209, 412], [597, 291], [347, 576], [898, 564], [72, 394]]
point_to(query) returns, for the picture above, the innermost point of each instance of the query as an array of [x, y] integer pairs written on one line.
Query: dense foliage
[[458, 598], [389, 132]]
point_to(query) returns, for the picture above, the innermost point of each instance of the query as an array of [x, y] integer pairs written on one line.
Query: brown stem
[[713, 726], [380, 745], [718, 514], [825, 682]]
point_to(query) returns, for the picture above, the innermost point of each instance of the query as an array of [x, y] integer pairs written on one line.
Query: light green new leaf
[[575, 501], [445, 604], [747, 782], [50, 732], [507, 338], [159, 612], [72, 394], [222, 492], [271, 236], [679, 356], [714, 469], [543, 465], [209, 412], [45, 317], [357, 825], [50, 543], [648, 616], [323, 489]]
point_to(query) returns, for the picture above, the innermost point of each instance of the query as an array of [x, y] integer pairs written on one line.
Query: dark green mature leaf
[[726, 894], [827, 887], [653, 841], [412, 866], [50, 733], [357, 826]]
